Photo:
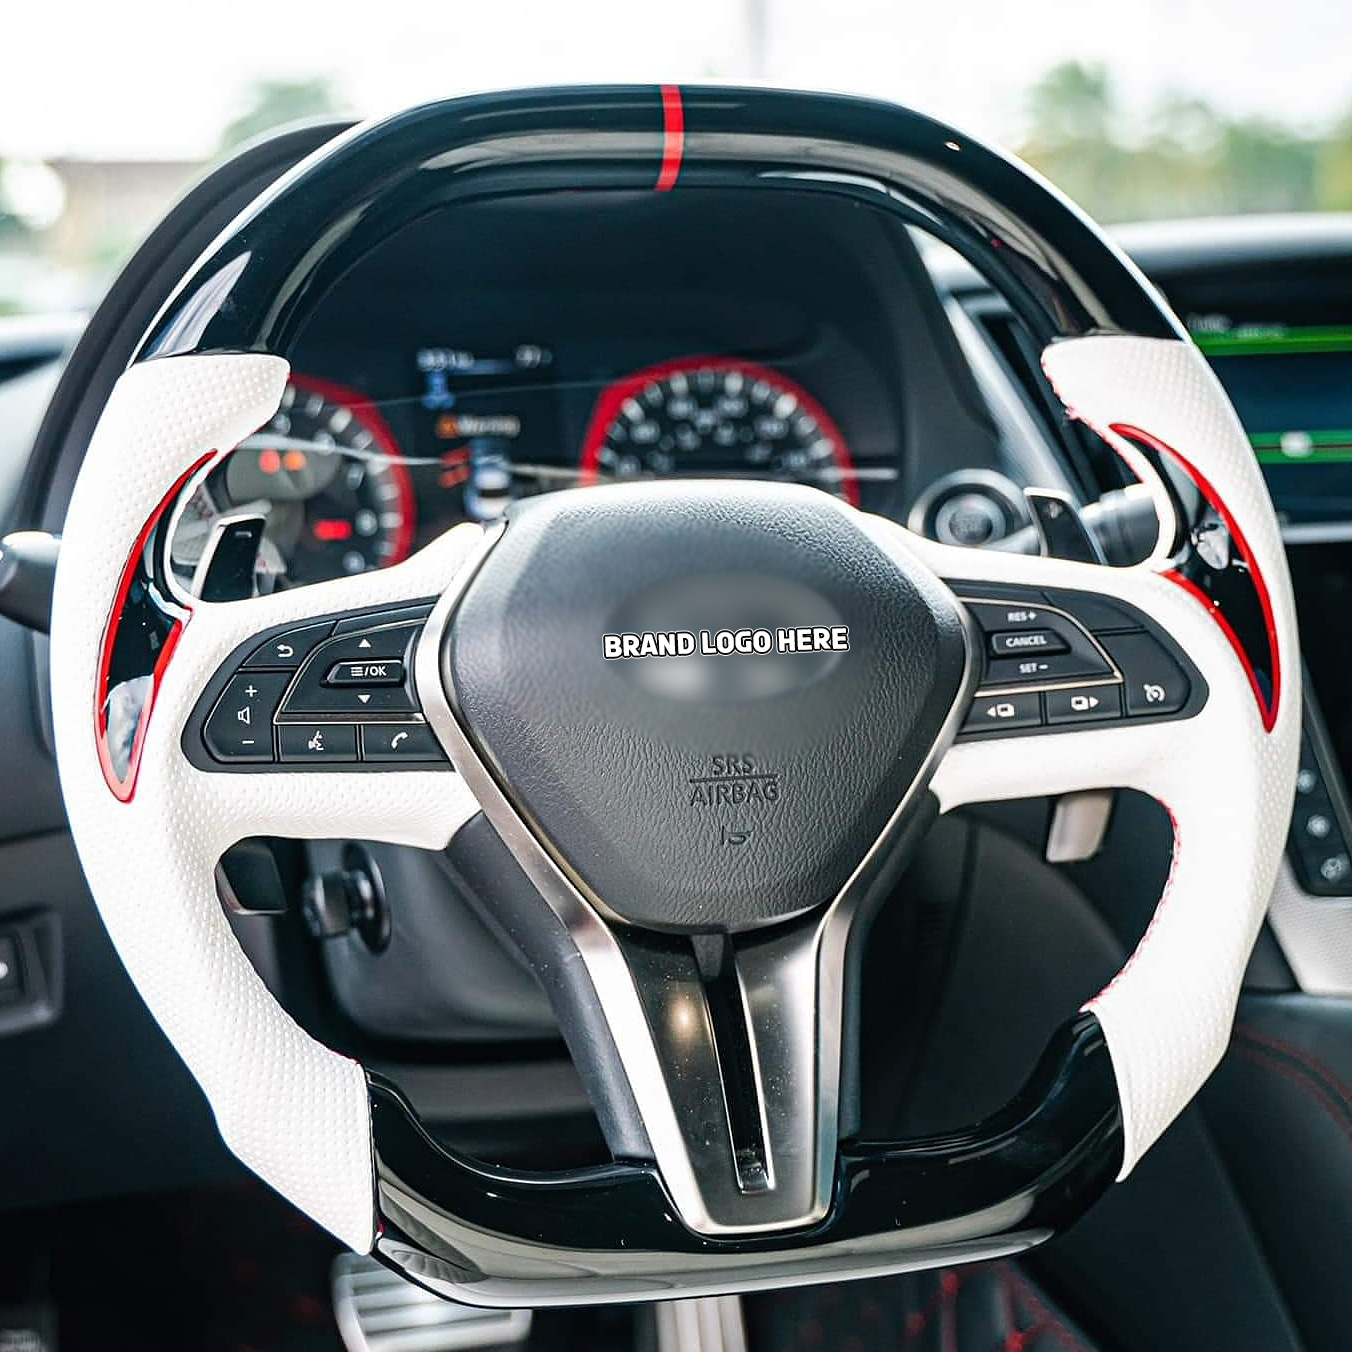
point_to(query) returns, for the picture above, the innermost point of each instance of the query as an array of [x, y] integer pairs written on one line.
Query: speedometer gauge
[[715, 417], [327, 478]]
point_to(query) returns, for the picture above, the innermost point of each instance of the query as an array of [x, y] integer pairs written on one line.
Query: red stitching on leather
[[950, 1283], [1159, 910], [1007, 1298], [1304, 1080], [1048, 1320], [1312, 1063]]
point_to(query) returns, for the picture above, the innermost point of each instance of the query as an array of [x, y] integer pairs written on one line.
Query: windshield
[[1160, 108]]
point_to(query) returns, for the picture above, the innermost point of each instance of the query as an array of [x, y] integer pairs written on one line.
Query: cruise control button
[[1085, 705], [993, 616], [291, 648], [1022, 642], [317, 742], [1040, 670], [239, 729], [1004, 711], [389, 672], [1154, 683], [1031, 645], [395, 742]]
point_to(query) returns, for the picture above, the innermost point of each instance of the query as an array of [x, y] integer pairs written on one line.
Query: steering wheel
[[705, 719]]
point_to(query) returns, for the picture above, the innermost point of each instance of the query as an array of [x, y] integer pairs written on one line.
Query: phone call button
[[399, 742]]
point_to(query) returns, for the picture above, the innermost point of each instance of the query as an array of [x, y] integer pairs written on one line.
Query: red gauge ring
[[368, 416], [803, 413]]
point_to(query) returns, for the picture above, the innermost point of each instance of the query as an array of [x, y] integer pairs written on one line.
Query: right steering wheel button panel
[[1085, 659]]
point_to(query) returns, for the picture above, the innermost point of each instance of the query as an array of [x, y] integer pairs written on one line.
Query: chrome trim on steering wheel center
[[792, 970]]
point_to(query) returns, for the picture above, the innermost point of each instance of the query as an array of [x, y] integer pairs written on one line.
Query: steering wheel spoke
[[731, 1046]]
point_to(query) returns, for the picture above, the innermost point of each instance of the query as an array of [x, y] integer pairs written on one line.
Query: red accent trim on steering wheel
[[124, 787], [1267, 703]]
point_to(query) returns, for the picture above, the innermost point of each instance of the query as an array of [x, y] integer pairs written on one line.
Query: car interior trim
[[153, 621], [1267, 688], [673, 138]]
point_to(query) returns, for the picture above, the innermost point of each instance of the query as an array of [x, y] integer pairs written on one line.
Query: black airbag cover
[[702, 792]]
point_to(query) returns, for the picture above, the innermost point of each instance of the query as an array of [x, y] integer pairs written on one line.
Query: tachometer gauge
[[715, 417], [329, 480]]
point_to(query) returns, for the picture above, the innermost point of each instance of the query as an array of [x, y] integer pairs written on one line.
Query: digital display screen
[[1292, 388], [493, 418]]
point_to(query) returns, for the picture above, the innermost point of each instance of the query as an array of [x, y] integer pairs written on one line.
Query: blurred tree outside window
[[1183, 159], [277, 103]]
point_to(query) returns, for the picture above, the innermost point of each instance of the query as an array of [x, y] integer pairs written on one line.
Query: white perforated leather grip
[[291, 1109], [1226, 779]]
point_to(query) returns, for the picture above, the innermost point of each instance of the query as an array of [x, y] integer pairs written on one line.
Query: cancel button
[[1016, 642]]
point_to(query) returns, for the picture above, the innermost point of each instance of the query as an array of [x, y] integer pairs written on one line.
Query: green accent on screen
[[1257, 341], [1325, 448]]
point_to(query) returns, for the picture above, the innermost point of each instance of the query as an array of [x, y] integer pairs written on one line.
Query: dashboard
[[516, 347]]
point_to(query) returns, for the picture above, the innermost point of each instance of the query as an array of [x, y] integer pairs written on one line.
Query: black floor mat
[[228, 1270], [231, 1269], [987, 1307]]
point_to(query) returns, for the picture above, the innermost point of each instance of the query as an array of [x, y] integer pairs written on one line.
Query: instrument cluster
[[345, 483]]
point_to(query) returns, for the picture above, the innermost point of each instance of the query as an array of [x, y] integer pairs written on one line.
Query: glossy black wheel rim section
[[613, 1233], [254, 290]]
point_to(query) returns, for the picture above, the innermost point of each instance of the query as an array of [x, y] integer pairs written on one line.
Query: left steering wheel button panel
[[239, 730], [336, 690]]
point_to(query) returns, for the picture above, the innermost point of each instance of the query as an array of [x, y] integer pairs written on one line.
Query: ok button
[[1016, 642], [380, 671]]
